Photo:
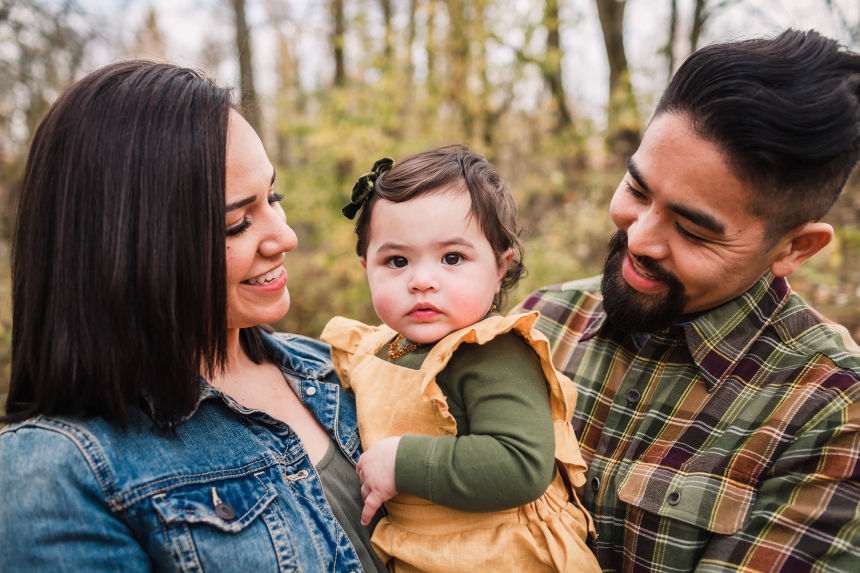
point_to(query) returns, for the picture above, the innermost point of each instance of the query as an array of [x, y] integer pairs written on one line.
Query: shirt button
[[225, 511], [595, 484], [311, 391], [633, 396], [674, 498]]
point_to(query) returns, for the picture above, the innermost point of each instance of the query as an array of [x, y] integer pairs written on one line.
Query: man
[[720, 415]]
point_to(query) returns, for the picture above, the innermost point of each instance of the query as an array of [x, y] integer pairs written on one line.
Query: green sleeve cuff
[[412, 466]]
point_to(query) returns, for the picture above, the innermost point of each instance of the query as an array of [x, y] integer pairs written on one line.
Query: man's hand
[[375, 471]]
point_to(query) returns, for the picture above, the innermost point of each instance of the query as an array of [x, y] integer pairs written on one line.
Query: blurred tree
[[249, 104], [386, 18], [552, 64], [148, 40], [338, 30], [43, 46], [623, 123], [669, 48], [459, 55], [700, 14]]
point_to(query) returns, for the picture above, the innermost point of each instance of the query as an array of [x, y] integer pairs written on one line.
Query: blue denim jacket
[[83, 495]]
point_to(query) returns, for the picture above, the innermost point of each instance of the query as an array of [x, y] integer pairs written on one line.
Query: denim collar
[[293, 360]]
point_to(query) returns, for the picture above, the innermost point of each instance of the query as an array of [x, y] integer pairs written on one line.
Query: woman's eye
[[397, 262], [452, 259], [275, 198], [233, 231]]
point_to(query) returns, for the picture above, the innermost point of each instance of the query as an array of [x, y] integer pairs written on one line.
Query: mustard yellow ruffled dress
[[545, 535]]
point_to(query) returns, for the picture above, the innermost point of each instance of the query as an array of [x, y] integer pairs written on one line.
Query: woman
[[156, 426]]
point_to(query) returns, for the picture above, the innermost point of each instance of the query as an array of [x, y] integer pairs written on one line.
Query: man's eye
[[687, 234], [397, 262], [452, 259], [635, 193]]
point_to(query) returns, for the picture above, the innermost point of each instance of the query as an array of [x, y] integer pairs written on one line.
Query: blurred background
[[555, 93]]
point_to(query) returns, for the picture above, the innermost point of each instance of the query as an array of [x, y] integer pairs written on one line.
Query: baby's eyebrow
[[456, 241], [389, 246]]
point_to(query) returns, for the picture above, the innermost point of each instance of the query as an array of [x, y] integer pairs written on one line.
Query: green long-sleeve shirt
[[504, 453]]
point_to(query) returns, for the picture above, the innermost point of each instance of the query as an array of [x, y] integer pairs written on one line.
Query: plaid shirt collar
[[720, 337]]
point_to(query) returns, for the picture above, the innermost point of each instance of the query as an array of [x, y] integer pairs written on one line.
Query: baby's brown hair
[[448, 167]]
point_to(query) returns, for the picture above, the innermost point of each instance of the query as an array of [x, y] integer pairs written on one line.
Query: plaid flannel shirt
[[730, 443]]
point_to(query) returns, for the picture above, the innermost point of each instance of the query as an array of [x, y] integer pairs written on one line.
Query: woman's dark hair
[[118, 260], [785, 113], [440, 169]]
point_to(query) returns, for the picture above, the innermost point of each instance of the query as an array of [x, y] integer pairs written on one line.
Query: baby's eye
[[452, 259], [396, 262]]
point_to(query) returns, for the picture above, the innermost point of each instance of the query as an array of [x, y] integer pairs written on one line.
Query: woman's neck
[[234, 359]]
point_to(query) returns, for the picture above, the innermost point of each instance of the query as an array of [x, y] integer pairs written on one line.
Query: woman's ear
[[798, 246], [363, 262]]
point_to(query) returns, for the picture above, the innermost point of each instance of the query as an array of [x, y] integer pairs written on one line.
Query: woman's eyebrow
[[241, 203], [273, 175]]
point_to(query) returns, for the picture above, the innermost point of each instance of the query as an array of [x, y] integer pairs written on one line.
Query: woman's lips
[[273, 285], [637, 280]]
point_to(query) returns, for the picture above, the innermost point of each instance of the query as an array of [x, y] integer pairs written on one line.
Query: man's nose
[[648, 235]]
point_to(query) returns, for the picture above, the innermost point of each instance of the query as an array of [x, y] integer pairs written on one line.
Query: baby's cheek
[[471, 304]]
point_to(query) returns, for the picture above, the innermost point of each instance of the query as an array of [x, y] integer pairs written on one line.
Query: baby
[[464, 421]]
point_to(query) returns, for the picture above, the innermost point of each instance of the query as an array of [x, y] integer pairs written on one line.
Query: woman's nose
[[281, 239]]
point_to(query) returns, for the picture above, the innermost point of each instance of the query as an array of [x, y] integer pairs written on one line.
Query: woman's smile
[[272, 280]]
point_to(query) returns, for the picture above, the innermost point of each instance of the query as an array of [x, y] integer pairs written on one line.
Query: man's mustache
[[618, 246]]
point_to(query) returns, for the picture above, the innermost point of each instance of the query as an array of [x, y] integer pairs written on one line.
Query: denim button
[[311, 391], [674, 498], [225, 511], [633, 396], [595, 483]]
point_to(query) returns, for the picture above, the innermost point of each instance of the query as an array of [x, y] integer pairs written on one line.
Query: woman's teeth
[[269, 276]]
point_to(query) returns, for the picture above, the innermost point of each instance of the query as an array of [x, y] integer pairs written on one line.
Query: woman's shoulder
[[309, 357]]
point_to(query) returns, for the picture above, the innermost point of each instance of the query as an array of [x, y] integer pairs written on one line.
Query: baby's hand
[[375, 471]]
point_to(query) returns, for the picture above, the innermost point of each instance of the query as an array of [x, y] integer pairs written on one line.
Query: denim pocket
[[226, 504]]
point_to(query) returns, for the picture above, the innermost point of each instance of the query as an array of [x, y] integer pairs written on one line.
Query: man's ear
[[798, 246], [363, 262]]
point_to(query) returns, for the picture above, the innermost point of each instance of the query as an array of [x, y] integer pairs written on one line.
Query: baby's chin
[[427, 333]]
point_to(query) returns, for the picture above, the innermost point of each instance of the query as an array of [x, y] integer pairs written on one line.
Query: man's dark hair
[[454, 167], [785, 113], [118, 260]]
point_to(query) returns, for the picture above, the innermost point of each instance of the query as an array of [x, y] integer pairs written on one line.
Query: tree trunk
[[699, 17], [336, 8], [413, 8], [430, 47], [623, 117], [386, 16], [459, 56], [670, 42], [248, 104], [552, 65]]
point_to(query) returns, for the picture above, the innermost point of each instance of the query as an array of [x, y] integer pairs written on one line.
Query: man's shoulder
[[570, 295], [572, 310], [808, 333]]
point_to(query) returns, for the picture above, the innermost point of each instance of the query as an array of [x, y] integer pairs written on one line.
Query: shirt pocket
[[218, 524], [712, 502]]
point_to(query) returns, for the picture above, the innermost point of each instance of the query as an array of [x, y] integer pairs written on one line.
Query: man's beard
[[634, 311]]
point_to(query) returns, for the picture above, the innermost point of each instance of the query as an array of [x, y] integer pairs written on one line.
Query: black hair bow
[[364, 186]]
